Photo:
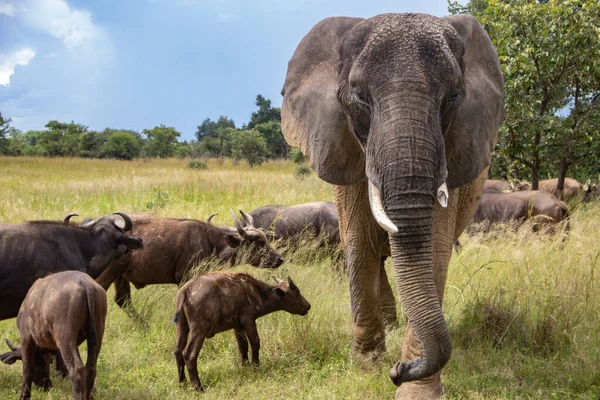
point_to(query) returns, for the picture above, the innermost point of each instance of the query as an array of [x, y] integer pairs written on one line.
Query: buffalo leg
[[122, 292], [183, 330], [28, 357], [190, 355], [242, 342], [60, 366], [90, 368], [75, 366], [253, 338], [41, 375]]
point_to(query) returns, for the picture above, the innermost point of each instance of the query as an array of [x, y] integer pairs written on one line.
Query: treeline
[[256, 141], [549, 51]]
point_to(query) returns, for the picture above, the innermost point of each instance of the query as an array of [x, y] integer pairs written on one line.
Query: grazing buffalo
[[35, 249], [288, 222], [59, 313], [572, 188], [217, 302], [496, 185], [173, 246], [542, 207]]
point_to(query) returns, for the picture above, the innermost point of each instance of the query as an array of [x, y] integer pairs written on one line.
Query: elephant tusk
[[377, 209], [442, 195]]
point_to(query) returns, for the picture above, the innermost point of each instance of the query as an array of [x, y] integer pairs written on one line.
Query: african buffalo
[[35, 249], [173, 246], [217, 302], [542, 207], [59, 312], [572, 188], [288, 222], [496, 185]]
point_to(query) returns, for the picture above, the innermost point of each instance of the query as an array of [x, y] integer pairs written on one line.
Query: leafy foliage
[[249, 145], [122, 145], [162, 141], [4, 127], [297, 155]]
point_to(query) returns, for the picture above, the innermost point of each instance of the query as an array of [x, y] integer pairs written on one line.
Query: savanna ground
[[523, 309]]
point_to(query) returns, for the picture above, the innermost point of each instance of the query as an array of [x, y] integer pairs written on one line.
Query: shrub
[[302, 171], [297, 156], [197, 164]]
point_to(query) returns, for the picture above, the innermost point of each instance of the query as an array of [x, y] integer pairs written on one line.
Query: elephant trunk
[[410, 169]]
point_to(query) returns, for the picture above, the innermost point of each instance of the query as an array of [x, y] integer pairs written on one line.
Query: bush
[[297, 156], [197, 164], [249, 145], [302, 171], [122, 146]]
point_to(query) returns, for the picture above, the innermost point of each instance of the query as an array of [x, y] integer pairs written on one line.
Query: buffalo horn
[[248, 219], [238, 225], [210, 217], [128, 222], [68, 217]]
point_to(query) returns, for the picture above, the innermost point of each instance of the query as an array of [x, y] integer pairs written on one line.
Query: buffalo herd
[[54, 274]]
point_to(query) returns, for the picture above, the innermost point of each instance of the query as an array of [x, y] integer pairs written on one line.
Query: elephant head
[[412, 103]]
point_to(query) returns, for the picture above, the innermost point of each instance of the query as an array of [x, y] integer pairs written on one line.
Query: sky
[[136, 64]]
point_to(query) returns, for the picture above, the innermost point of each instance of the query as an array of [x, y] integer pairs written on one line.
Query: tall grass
[[523, 308]]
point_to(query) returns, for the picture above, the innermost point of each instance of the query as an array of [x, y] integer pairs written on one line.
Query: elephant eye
[[453, 96]]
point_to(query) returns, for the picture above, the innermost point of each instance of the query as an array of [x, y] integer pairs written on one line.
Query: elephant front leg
[[388, 300], [362, 240]]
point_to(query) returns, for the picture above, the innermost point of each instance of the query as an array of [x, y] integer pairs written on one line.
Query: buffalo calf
[[217, 302], [59, 313]]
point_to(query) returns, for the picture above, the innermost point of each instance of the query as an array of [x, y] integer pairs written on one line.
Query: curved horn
[[68, 217], [277, 280], [377, 209], [210, 217], [127, 219], [11, 345], [291, 283], [248, 219], [238, 225]]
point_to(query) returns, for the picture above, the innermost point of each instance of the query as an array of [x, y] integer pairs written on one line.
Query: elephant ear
[[473, 132], [311, 116]]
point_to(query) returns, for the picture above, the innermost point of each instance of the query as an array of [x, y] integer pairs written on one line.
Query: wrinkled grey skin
[[407, 102]]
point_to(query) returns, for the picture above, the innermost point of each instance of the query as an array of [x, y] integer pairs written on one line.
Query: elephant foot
[[429, 389], [368, 353]]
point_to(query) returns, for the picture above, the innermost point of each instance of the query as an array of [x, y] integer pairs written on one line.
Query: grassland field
[[523, 308]]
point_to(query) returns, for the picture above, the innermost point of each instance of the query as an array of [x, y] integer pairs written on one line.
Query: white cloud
[[73, 27], [8, 9], [9, 62]]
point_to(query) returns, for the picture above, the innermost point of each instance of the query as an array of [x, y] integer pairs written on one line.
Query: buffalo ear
[[311, 116], [132, 242], [233, 240], [482, 110]]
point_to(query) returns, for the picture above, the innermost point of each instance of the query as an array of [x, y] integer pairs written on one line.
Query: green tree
[[122, 145], [277, 147], [265, 112], [60, 139], [4, 127], [219, 144], [249, 145], [91, 144], [209, 127], [550, 55], [161, 141]]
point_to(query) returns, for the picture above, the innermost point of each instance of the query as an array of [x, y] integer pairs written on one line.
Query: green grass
[[523, 309]]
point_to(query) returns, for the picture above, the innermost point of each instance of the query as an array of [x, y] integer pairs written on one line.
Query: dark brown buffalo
[[217, 302], [59, 313], [496, 185], [288, 222], [35, 249], [540, 206], [172, 246]]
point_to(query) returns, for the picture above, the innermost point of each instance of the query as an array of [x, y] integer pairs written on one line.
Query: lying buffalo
[[60, 312], [289, 222], [217, 302], [35, 249], [571, 190], [539, 206], [496, 185], [173, 246]]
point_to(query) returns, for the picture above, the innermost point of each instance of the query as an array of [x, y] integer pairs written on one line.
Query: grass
[[523, 308]]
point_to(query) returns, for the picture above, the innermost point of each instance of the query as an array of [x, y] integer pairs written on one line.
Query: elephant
[[398, 111]]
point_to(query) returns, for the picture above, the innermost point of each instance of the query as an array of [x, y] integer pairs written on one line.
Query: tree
[[550, 55], [91, 144], [219, 144], [209, 127], [162, 141], [4, 127], [277, 147], [265, 112], [122, 145], [249, 145], [60, 139]]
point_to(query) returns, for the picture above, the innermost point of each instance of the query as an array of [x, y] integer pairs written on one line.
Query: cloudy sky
[[138, 63]]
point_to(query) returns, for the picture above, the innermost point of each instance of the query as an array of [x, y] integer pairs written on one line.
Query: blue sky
[[136, 64]]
